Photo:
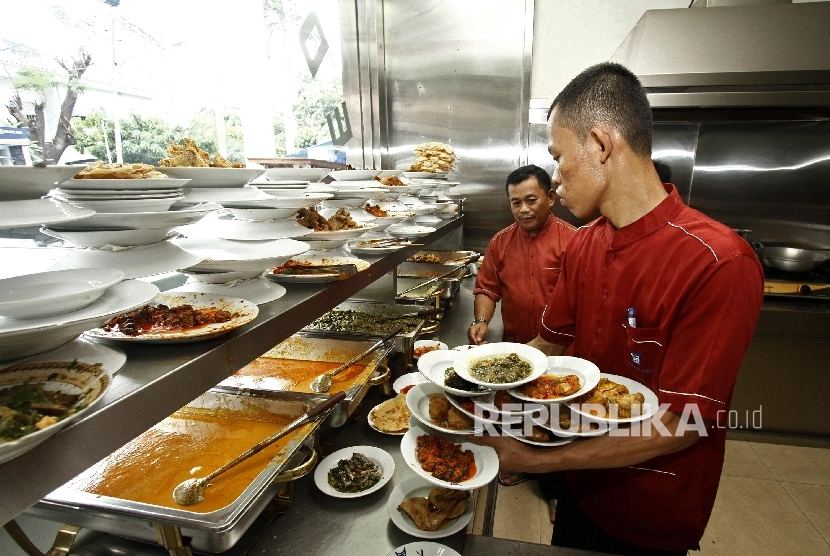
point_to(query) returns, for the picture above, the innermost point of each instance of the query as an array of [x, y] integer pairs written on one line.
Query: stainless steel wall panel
[[770, 177], [675, 143], [458, 73]]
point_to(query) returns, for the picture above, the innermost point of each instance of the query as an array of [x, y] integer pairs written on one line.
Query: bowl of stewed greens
[[501, 366]]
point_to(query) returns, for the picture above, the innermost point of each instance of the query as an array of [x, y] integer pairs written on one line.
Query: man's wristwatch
[[478, 320]]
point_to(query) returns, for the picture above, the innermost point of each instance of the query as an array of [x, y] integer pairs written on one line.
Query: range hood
[[756, 55]]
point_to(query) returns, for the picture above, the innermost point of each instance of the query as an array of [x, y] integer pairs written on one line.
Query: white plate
[[221, 277], [352, 175], [408, 379], [487, 462], [137, 184], [409, 232], [104, 194], [37, 212], [223, 255], [134, 262], [256, 290], [372, 424], [117, 238], [244, 230], [519, 409], [650, 406], [341, 234], [527, 353], [433, 364], [18, 183], [316, 259], [21, 338], [424, 175], [387, 173], [224, 195], [214, 177], [477, 413], [84, 350], [379, 457], [417, 400], [283, 183], [518, 434], [44, 294], [245, 310], [90, 383], [563, 365], [368, 250], [577, 421], [261, 213], [298, 174], [429, 343], [423, 548], [356, 197], [416, 486], [137, 205], [142, 220]]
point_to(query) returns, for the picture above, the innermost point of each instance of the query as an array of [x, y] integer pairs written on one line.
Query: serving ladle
[[322, 383], [192, 491]]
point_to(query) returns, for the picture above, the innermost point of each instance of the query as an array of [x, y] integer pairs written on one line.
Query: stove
[[805, 285]]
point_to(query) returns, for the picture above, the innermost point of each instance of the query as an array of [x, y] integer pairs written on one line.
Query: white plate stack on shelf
[[289, 178], [121, 195]]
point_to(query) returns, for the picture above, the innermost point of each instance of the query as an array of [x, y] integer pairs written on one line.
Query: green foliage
[[279, 134], [314, 102], [30, 78]]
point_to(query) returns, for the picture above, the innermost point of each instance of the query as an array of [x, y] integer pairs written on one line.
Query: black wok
[[790, 259]]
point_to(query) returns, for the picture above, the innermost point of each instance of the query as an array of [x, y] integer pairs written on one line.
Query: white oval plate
[[424, 175], [54, 292], [246, 311], [91, 384], [487, 462], [223, 195], [468, 358], [81, 349], [244, 230], [372, 424], [261, 213], [317, 278], [417, 400], [409, 231], [484, 416], [379, 457], [367, 249], [577, 421], [213, 177], [408, 379], [562, 365], [21, 338], [38, 212], [257, 290], [341, 234], [416, 486], [18, 183], [650, 406], [116, 194], [422, 548], [521, 438], [223, 255], [127, 205], [429, 343], [118, 238], [355, 197], [142, 220], [296, 174], [352, 175], [134, 262], [123, 185], [433, 364], [487, 403]]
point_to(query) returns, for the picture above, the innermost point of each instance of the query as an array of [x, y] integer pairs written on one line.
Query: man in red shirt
[[695, 288], [522, 261]]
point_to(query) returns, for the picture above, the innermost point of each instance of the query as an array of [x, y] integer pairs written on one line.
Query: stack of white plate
[[121, 195]]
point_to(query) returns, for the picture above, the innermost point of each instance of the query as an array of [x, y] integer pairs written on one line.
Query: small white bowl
[[56, 292], [537, 360], [351, 175]]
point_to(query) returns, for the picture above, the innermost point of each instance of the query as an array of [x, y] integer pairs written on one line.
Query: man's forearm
[[546, 347]]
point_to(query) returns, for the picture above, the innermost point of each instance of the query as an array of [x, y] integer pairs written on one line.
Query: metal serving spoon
[[322, 383], [192, 491]]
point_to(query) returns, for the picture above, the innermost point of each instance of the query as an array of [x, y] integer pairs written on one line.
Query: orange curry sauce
[[191, 443], [292, 374]]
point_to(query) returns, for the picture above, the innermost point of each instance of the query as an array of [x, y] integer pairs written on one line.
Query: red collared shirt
[[522, 271], [696, 289]]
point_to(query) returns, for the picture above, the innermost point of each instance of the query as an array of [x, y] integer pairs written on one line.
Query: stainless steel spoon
[[322, 383], [192, 491]]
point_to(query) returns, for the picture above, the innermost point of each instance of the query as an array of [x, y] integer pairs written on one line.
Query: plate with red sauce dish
[[177, 329], [484, 470]]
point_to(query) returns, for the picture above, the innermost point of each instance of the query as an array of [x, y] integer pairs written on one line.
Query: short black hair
[[607, 93], [521, 174]]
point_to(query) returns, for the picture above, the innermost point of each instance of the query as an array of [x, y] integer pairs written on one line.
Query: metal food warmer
[[209, 531], [447, 268], [272, 371]]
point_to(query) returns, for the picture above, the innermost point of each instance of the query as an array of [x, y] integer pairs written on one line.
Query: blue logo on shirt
[[636, 357]]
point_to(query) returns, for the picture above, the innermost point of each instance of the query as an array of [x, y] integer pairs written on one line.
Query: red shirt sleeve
[[487, 280]]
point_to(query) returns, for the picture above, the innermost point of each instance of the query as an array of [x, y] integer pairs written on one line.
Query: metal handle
[[301, 470], [375, 346], [331, 402], [381, 378]]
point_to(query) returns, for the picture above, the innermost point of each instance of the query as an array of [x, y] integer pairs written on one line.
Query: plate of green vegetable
[[354, 471]]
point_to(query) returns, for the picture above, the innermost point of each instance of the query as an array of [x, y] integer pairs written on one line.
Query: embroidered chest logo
[[635, 357]]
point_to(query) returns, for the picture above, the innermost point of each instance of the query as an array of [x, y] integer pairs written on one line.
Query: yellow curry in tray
[[191, 443], [293, 375]]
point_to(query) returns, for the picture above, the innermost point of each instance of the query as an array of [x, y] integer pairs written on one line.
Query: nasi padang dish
[[349, 320], [615, 398], [436, 510]]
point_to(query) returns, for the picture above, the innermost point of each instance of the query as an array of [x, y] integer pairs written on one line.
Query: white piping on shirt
[[552, 331], [488, 291], [643, 341], [655, 470], [688, 394], [552, 268], [697, 238]]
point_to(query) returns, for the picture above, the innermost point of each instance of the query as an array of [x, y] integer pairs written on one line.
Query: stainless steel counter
[[158, 380]]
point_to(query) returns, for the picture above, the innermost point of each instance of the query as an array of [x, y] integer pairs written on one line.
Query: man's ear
[[601, 142]]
